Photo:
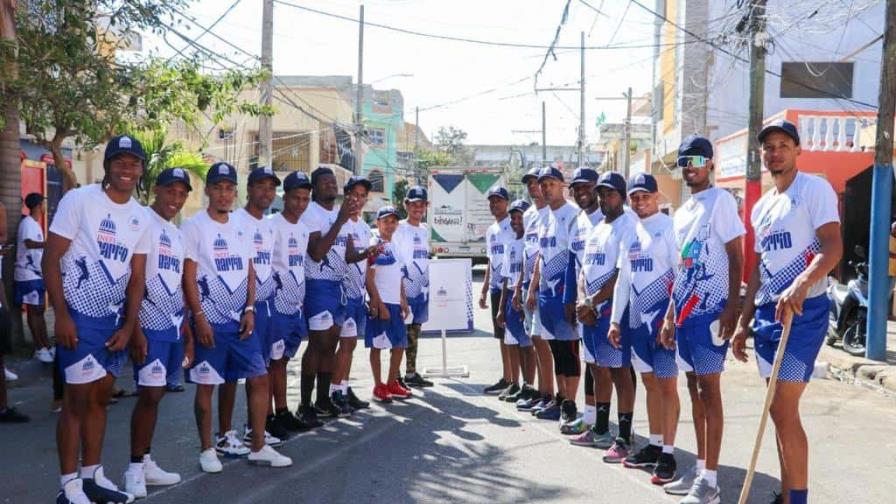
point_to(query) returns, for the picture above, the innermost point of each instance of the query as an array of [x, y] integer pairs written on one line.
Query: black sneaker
[[326, 409], [174, 388], [354, 402], [275, 428], [415, 380], [777, 498], [497, 388], [401, 382], [341, 403], [10, 415], [664, 472], [568, 411], [530, 402], [289, 421], [511, 389], [308, 416], [645, 457]]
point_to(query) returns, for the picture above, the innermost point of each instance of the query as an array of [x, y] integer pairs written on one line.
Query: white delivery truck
[[458, 213]]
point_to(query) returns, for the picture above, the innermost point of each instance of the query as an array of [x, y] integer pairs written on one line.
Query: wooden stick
[[769, 397]]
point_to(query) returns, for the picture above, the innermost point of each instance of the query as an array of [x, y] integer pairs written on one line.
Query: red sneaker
[[381, 393], [399, 392]]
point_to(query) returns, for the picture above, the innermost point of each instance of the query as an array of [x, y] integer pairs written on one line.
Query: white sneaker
[[682, 486], [135, 483], [10, 376], [269, 457], [229, 445], [155, 476], [43, 355], [208, 461], [100, 479], [269, 439], [73, 493]]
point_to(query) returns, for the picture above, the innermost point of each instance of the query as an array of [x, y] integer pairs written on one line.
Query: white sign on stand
[[450, 307]]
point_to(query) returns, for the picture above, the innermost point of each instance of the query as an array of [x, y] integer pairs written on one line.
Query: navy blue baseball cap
[[387, 211], [613, 181], [786, 127], [124, 144], [319, 172], [532, 173], [357, 180], [642, 182], [416, 193], [220, 171], [519, 205], [262, 173], [169, 176], [499, 192], [550, 172], [695, 145], [584, 175], [296, 180]]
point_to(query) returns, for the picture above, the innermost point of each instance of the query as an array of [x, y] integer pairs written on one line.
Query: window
[[805, 79], [291, 151], [377, 183], [382, 102], [377, 136]]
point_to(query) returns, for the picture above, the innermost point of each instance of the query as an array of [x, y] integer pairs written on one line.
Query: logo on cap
[[223, 169], [125, 143], [179, 173]]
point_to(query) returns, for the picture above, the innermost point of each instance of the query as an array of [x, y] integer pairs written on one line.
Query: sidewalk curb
[[847, 368]]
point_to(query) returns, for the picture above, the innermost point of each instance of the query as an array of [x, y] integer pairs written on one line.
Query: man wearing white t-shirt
[[412, 238], [219, 286], [94, 266], [797, 244], [703, 311], [29, 278], [157, 346]]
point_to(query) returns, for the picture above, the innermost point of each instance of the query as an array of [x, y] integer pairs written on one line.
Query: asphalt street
[[452, 444]]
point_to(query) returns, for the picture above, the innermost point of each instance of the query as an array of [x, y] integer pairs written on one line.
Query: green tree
[[428, 159], [399, 191], [450, 140], [161, 155]]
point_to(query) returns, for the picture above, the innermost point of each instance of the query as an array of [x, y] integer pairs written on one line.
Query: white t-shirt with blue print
[[602, 249], [785, 225], [333, 266], [222, 252], [97, 265], [288, 264], [532, 219], [512, 262], [162, 310], [28, 260], [703, 225], [553, 241], [496, 238], [354, 281], [388, 267], [262, 236], [413, 242], [581, 229]]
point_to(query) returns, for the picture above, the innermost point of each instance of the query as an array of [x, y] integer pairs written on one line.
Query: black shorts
[[5, 333], [495, 298], [566, 357]]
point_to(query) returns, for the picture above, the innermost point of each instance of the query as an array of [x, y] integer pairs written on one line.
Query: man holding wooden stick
[[797, 244]]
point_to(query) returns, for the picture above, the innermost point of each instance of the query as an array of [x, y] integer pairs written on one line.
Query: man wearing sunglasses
[[703, 310]]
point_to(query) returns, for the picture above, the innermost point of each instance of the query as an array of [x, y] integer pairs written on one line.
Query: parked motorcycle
[[849, 308]]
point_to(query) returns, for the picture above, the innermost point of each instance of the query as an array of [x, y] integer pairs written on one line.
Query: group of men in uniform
[[641, 292]]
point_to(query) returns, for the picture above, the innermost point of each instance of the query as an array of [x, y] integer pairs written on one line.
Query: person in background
[[7, 413], [496, 238], [29, 278]]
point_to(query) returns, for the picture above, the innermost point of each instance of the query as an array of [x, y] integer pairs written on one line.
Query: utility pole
[[881, 195], [582, 103], [359, 100], [544, 136], [627, 130], [753, 188], [265, 133], [416, 143]]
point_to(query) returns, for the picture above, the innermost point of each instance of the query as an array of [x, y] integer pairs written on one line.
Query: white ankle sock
[[87, 471], [344, 386], [710, 477], [590, 415], [65, 478], [670, 449], [334, 388], [701, 464], [135, 467], [656, 439]]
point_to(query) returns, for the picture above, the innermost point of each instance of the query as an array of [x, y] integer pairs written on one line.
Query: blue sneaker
[[100, 489], [550, 412], [72, 493], [542, 404]]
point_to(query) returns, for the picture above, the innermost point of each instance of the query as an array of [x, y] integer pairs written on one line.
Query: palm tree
[[161, 155]]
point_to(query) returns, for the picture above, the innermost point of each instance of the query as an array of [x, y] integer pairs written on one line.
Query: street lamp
[[390, 76]]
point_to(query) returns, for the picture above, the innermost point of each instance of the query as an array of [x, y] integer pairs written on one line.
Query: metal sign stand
[[445, 371]]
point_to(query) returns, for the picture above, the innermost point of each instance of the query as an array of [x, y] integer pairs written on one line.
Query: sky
[[486, 91]]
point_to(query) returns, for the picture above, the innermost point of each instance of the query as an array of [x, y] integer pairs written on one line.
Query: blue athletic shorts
[[287, 333], [263, 330], [355, 323], [700, 348], [598, 349], [648, 356], [30, 292], [385, 334], [419, 306], [163, 359], [553, 322], [324, 304], [90, 360], [228, 361], [807, 333], [515, 325]]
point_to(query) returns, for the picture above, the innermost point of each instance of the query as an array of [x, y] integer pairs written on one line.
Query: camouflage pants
[[411, 351]]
